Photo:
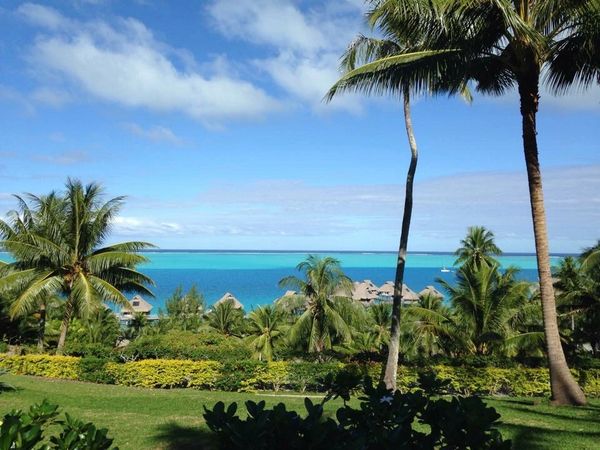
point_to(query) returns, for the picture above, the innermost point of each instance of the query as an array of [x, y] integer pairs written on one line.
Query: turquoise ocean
[[253, 276]]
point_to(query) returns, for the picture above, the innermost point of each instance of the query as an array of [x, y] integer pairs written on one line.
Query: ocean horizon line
[[309, 251]]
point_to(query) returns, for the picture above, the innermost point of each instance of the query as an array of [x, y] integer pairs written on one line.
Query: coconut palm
[[578, 294], [64, 257], [488, 302], [324, 287], [430, 328], [225, 318], [361, 62], [478, 248], [265, 328], [30, 219], [498, 45], [381, 319]]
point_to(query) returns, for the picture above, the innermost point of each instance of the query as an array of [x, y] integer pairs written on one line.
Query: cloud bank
[[121, 62], [330, 216]]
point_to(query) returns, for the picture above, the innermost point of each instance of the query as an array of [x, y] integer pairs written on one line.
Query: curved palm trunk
[[64, 326], [41, 328], [565, 390], [391, 367]]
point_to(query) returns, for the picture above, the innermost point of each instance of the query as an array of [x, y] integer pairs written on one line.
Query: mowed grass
[[172, 419]]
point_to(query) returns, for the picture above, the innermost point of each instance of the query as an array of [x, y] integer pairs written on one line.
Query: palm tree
[[265, 328], [430, 326], [28, 220], [324, 286], [478, 248], [64, 257], [225, 318], [488, 303], [578, 294], [381, 319], [499, 45], [361, 63]]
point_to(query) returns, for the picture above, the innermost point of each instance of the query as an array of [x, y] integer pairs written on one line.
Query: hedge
[[249, 375], [164, 373]]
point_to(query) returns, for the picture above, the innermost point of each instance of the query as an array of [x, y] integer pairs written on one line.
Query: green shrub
[[234, 374], [3, 347], [94, 370], [83, 349], [205, 346]]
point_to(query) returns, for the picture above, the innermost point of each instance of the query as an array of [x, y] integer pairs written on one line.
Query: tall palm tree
[[478, 248], [499, 45], [64, 257], [324, 287], [360, 62], [265, 328], [488, 303]]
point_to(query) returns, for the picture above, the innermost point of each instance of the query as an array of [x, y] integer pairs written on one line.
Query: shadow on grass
[[536, 438], [173, 436]]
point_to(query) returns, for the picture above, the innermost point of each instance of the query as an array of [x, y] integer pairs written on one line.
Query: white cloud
[[124, 64], [309, 78], [305, 44], [443, 208], [155, 134], [44, 16], [277, 23], [127, 226], [64, 158]]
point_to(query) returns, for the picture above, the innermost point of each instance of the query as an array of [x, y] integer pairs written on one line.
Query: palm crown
[[478, 248]]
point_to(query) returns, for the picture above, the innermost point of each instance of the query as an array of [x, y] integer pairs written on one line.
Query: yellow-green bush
[[590, 382], [297, 376], [66, 367], [164, 373]]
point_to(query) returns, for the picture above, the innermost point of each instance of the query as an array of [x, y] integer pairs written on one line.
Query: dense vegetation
[[490, 318]]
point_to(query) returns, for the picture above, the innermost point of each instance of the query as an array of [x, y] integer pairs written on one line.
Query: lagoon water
[[253, 276]]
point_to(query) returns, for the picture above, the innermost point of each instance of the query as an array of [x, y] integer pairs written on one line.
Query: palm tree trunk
[[565, 390], [41, 327], [64, 326], [391, 367]]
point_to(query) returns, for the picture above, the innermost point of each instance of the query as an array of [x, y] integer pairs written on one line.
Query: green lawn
[[172, 419]]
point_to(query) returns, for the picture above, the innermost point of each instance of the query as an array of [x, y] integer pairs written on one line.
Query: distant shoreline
[[377, 252]]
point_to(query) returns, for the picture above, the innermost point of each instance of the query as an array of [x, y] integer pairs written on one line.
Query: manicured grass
[[172, 419]]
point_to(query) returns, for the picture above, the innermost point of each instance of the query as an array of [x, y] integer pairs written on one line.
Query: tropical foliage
[[56, 245], [496, 46], [478, 248], [325, 320], [266, 327]]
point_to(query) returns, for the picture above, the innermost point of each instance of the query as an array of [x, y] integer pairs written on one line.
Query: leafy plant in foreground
[[28, 430], [383, 420]]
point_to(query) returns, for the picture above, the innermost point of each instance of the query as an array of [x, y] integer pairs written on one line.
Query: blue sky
[[208, 116]]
